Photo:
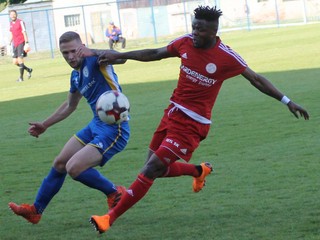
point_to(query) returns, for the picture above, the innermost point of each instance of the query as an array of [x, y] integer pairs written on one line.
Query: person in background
[[206, 62], [92, 146], [19, 40], [114, 34]]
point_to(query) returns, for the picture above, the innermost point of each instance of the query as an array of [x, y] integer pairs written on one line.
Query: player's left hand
[[295, 109]]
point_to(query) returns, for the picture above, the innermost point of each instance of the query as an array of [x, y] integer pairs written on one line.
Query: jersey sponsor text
[[195, 77]]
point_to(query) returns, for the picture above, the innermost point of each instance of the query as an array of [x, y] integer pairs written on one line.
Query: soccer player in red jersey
[[206, 63], [19, 39]]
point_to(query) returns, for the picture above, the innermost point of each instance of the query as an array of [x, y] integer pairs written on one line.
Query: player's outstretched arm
[[145, 55], [114, 62], [265, 86], [83, 51]]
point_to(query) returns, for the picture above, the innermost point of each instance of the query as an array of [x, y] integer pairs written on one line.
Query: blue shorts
[[108, 139]]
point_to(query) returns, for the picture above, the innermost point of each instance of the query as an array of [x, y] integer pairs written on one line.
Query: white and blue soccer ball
[[113, 107]]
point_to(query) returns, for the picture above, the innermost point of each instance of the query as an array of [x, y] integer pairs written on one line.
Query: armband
[[285, 100]]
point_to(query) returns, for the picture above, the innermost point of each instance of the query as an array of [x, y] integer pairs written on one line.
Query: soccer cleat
[[115, 197], [199, 182], [20, 79], [100, 223], [26, 211], [29, 72]]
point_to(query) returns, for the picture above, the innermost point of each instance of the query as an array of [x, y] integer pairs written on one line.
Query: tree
[[5, 3], [16, 1], [9, 2]]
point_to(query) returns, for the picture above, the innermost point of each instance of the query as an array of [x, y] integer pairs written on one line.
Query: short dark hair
[[207, 13], [68, 37], [12, 10]]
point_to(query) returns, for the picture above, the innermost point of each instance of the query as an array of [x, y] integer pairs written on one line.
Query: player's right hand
[[83, 51], [36, 128], [26, 48]]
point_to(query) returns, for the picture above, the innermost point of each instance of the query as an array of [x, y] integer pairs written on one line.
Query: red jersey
[[202, 73], [17, 28]]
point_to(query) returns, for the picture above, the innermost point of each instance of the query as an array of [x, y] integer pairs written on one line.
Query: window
[[72, 20]]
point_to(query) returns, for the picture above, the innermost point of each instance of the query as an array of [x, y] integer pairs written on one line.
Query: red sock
[[177, 169], [135, 192]]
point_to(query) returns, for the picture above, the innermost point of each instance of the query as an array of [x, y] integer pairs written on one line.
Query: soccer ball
[[113, 107]]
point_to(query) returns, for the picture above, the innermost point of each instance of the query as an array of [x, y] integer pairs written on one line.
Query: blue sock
[[49, 187], [92, 178]]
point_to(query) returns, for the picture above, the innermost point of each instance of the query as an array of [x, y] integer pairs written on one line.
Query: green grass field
[[266, 180]]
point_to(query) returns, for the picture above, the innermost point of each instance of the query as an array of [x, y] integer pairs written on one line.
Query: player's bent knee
[[166, 155], [72, 171], [59, 165], [154, 167]]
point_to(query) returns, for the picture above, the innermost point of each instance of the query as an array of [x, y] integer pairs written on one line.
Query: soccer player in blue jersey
[[93, 145]]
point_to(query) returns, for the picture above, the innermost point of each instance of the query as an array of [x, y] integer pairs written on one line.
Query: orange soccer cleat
[[26, 211], [100, 223], [199, 182]]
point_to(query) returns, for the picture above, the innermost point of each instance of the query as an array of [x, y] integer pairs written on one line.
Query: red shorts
[[177, 136]]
